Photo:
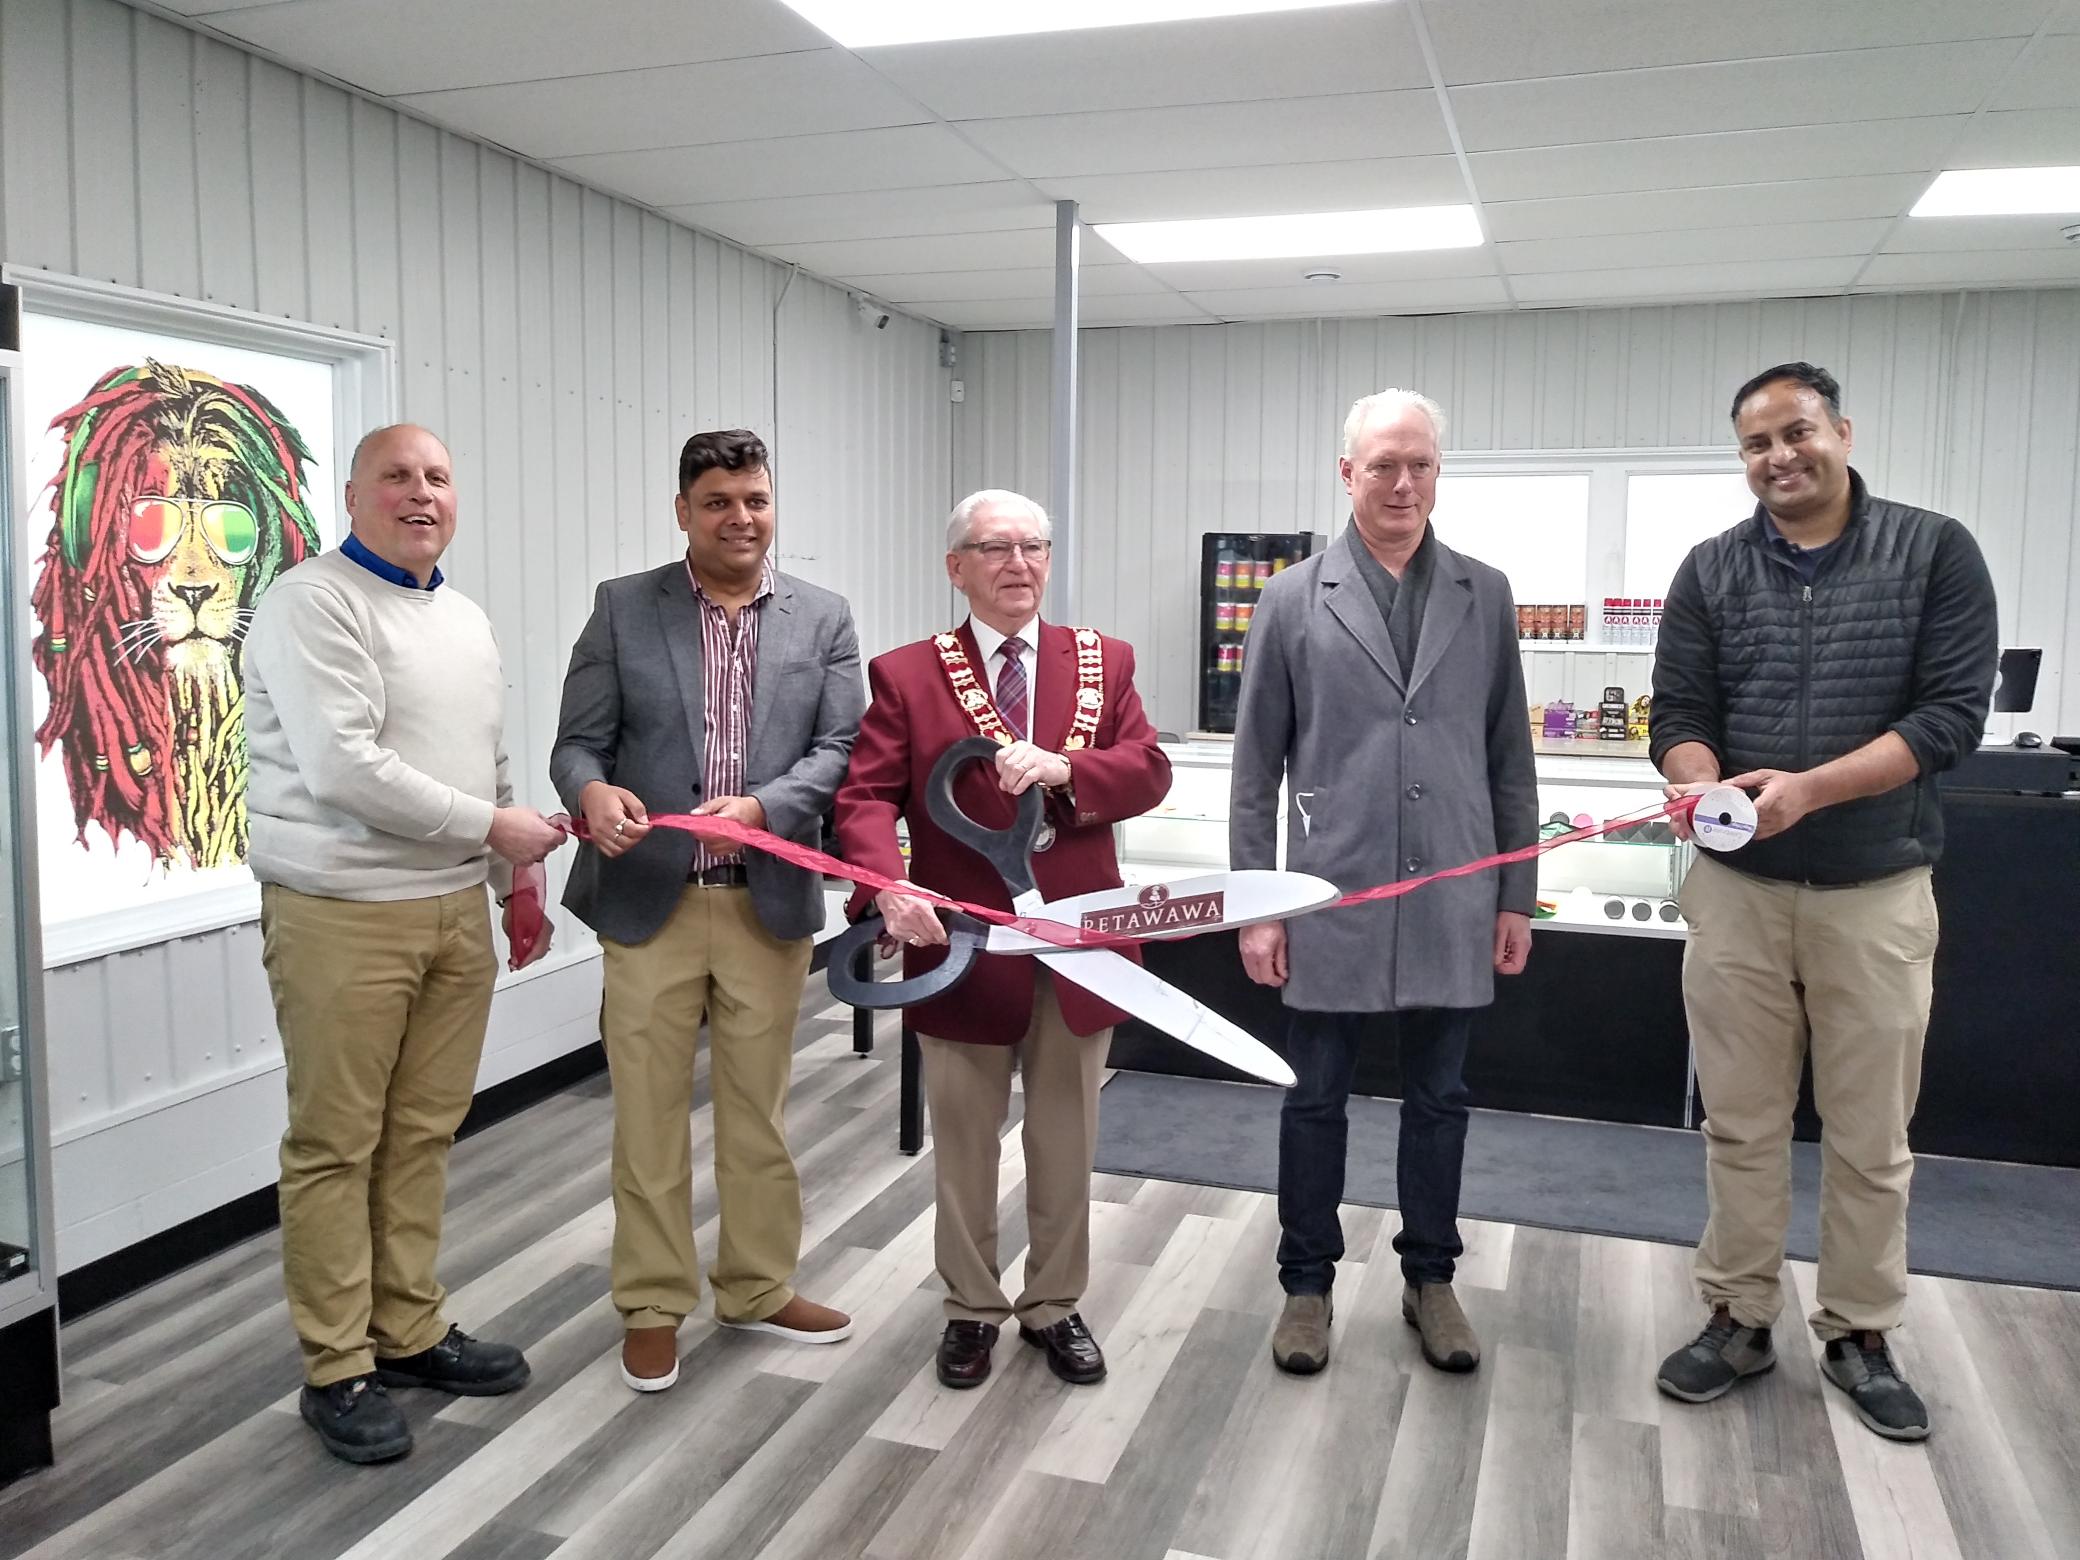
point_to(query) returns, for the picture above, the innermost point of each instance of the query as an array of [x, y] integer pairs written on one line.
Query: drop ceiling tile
[[1241, 275], [2034, 138], [2052, 267], [1731, 157], [1269, 190], [1733, 205], [1933, 79], [1364, 48], [1694, 246], [397, 46], [907, 156], [1749, 279], [1347, 298], [1038, 313], [2049, 78], [1213, 135], [1032, 249], [675, 105], [808, 219], [912, 289], [1508, 40], [1961, 235]]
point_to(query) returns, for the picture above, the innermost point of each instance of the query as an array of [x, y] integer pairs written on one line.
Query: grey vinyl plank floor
[[179, 1438]]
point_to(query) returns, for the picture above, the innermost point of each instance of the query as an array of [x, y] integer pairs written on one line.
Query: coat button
[[1413, 864], [1415, 792], [1410, 717]]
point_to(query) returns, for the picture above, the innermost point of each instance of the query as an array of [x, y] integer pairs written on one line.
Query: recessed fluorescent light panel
[[870, 24], [1287, 238], [2001, 192]]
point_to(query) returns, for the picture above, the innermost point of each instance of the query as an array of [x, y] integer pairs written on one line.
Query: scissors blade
[[1157, 1003], [1179, 908]]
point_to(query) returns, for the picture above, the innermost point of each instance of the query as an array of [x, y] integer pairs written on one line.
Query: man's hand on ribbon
[[522, 835], [747, 810], [615, 819], [909, 919], [1264, 952], [1679, 819], [1512, 942], [1781, 798], [1022, 764]]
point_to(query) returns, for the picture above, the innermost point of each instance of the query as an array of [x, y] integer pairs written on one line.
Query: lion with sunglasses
[[180, 499]]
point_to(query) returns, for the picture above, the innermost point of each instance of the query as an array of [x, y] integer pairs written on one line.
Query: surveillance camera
[[870, 313]]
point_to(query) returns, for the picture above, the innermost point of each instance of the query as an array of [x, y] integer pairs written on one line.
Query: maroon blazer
[[911, 719]]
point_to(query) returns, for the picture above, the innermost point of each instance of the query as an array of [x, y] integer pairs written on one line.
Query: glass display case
[[28, 1276], [1234, 568], [1626, 883]]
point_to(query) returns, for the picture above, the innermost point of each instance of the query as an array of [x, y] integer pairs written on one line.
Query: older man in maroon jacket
[[1062, 703]]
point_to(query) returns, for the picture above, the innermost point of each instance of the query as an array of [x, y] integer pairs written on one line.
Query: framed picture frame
[[176, 457]]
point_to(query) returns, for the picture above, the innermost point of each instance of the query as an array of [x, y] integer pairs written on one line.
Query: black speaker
[[2016, 688]]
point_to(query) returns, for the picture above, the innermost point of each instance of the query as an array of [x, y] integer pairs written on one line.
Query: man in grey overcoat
[[715, 684], [1383, 687]]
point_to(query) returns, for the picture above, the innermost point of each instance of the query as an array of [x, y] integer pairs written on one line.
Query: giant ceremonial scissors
[[1177, 909]]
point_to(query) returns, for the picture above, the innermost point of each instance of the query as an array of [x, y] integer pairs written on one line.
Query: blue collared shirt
[[1804, 559], [382, 568]]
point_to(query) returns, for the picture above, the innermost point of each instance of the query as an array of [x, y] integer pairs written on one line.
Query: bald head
[[376, 437]]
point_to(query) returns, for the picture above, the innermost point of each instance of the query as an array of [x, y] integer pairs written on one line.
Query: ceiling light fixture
[[859, 25], [2001, 192], [1321, 274], [1287, 238]]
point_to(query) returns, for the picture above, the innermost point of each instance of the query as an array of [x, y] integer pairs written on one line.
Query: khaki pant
[[969, 1090], [1771, 967], [382, 1008], [712, 957]]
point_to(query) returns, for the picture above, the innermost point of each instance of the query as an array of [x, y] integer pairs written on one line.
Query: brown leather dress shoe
[[964, 1353], [650, 1358], [1072, 1353]]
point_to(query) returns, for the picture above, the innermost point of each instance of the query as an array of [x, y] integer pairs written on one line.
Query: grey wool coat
[[635, 715], [1388, 777]]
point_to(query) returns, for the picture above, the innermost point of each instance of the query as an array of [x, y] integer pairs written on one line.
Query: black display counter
[[28, 1392], [1594, 1027]]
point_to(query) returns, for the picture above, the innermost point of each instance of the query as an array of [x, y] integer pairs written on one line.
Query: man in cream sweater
[[379, 804]]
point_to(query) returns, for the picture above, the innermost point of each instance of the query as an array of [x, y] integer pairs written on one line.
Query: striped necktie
[[1011, 687]]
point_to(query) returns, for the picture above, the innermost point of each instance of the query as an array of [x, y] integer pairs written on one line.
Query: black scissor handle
[[850, 970], [1009, 850]]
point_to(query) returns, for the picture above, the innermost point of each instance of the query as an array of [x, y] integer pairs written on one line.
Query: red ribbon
[[717, 829]]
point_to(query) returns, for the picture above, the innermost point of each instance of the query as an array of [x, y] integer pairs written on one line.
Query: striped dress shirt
[[729, 662]]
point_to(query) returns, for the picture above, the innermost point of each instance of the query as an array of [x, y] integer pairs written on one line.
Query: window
[[1534, 527], [1667, 514]]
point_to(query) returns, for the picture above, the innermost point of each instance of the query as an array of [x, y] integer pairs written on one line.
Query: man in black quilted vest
[[1832, 654]]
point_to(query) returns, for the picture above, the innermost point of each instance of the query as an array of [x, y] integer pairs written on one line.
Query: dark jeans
[[1313, 1131]]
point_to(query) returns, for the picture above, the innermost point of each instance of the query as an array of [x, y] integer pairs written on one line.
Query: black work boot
[[356, 1420], [458, 1364]]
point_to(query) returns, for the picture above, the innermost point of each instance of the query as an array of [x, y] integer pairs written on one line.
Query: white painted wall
[[1967, 403], [564, 342]]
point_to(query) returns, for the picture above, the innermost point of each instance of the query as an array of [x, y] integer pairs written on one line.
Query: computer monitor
[[2015, 690]]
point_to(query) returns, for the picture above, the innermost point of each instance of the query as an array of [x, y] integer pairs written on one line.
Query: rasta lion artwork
[[179, 498]]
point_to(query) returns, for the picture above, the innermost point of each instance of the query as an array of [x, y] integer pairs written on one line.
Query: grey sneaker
[[1720, 1356], [1300, 1342], [1861, 1365], [1449, 1341]]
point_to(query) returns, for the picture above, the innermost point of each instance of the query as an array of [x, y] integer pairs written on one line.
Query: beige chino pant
[[968, 1088], [382, 1006], [1771, 970], [712, 958]]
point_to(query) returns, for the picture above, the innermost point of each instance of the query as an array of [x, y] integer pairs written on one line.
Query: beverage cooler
[[1234, 568]]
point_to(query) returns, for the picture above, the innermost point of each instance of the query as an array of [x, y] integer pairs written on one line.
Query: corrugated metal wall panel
[[1968, 403], [563, 342]]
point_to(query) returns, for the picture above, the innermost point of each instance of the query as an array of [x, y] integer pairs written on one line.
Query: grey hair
[[962, 520], [1385, 403]]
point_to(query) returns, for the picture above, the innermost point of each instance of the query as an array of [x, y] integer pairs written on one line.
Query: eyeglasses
[[157, 524], [1033, 550]]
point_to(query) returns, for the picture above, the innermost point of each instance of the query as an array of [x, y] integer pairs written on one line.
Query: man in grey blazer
[[1383, 687], [715, 685]]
